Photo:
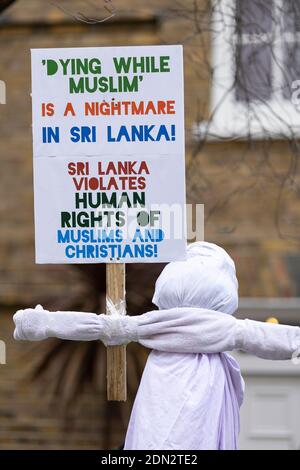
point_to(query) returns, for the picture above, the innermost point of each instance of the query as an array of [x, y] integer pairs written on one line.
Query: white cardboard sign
[[108, 145]]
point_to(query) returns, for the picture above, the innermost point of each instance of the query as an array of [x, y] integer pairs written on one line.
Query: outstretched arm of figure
[[192, 330], [207, 331]]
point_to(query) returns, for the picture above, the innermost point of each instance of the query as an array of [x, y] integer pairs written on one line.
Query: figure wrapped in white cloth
[[191, 389]]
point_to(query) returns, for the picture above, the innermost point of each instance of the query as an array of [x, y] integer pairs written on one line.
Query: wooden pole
[[116, 355]]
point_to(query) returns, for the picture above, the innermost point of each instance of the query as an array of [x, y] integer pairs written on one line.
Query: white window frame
[[230, 119]]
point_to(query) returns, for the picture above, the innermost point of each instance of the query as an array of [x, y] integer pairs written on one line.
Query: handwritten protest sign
[[108, 144]]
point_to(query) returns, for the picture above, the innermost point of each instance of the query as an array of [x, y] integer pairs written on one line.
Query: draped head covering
[[190, 401], [207, 279]]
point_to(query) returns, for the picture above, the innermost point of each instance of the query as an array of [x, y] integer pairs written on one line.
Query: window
[[255, 59]]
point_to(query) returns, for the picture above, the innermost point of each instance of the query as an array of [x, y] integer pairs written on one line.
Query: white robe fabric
[[187, 402]]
